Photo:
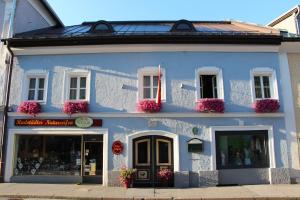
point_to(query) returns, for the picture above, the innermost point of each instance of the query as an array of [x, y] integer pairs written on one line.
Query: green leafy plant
[[126, 176]]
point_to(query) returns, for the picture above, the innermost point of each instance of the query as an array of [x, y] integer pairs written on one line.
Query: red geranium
[[210, 105], [148, 106], [30, 107], [72, 107], [266, 105]]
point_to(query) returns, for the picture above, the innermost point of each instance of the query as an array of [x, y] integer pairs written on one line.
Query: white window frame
[[273, 81], [151, 71], [209, 71], [76, 73], [35, 74]]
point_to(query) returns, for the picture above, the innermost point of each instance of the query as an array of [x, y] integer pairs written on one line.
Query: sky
[[261, 12]]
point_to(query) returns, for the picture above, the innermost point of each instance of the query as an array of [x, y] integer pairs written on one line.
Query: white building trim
[[265, 71], [213, 130], [174, 136], [158, 115], [150, 71], [53, 131], [142, 48], [35, 74], [289, 111], [210, 71]]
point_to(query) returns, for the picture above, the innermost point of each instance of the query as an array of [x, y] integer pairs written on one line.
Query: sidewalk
[[69, 191]]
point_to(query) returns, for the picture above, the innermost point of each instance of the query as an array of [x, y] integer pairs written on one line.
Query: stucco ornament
[[72, 107], [30, 107], [266, 105], [210, 105], [149, 106]]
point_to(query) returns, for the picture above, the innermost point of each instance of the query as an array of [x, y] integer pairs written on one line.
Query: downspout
[[5, 116]]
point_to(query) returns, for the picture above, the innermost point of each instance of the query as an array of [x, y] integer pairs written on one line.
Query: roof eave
[[201, 39], [279, 19], [52, 13]]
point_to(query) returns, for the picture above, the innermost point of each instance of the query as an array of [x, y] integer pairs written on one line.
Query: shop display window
[[48, 155], [242, 149]]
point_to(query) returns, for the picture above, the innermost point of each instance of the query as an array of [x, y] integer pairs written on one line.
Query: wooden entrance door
[[150, 155]]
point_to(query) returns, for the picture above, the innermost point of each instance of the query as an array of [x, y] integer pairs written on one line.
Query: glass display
[[48, 155], [237, 149]]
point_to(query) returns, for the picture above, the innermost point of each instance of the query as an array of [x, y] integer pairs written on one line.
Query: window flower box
[[30, 107], [72, 107], [149, 106], [210, 105], [266, 105]]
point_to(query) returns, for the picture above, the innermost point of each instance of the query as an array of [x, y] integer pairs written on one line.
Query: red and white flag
[[158, 95]]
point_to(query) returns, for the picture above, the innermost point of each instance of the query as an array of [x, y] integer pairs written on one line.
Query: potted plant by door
[[126, 176], [165, 175]]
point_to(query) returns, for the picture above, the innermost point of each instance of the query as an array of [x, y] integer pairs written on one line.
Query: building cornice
[[156, 115]]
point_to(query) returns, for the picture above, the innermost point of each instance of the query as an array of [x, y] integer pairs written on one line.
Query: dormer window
[[183, 26], [102, 27]]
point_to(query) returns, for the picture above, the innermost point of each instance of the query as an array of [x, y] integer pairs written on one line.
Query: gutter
[[3, 136]]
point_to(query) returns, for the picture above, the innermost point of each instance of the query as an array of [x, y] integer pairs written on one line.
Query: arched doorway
[[152, 151]]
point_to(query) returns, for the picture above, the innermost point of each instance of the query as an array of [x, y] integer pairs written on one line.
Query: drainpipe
[[3, 136]]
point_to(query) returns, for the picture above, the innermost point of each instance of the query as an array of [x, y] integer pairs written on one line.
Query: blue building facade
[[237, 146]]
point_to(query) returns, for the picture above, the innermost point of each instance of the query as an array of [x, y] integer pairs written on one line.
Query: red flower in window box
[[210, 105], [30, 107], [149, 106], [266, 105], [72, 107]]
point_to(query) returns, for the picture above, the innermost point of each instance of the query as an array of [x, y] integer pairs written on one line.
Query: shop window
[[264, 84], [77, 85], [148, 83], [242, 149], [48, 155], [209, 83]]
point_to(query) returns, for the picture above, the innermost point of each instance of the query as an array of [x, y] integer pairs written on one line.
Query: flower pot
[[128, 183]]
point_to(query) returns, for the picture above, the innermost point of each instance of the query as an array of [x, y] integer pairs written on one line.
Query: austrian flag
[[158, 95]]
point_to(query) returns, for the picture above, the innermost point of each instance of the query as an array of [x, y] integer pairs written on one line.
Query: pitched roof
[[279, 19], [150, 32], [52, 13]]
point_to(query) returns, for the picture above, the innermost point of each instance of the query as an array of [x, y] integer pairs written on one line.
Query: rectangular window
[[36, 89], [77, 89], [150, 85], [262, 87], [48, 155], [242, 149], [208, 86]]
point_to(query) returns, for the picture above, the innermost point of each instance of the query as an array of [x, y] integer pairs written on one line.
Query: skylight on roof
[[102, 27], [183, 26]]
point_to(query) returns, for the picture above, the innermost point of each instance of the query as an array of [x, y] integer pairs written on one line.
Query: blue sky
[[257, 11]]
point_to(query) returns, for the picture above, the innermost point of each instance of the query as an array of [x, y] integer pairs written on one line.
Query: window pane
[[73, 83], [83, 82], [40, 95], [32, 83], [48, 155], [155, 81], [142, 152], [257, 81], [82, 94], [208, 86], [154, 92], [242, 149], [31, 95], [147, 81], [72, 94], [163, 152], [267, 92], [266, 81], [258, 92], [41, 83], [147, 93]]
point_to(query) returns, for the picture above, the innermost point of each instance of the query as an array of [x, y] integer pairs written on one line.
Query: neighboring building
[[19, 16], [113, 66], [288, 23]]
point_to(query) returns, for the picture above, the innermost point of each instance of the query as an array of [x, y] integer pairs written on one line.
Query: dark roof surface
[[136, 31]]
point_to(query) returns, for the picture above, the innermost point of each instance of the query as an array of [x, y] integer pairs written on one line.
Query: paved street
[[70, 191]]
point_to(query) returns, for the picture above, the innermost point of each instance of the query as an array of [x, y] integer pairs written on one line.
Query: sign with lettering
[[84, 122], [117, 147], [55, 122]]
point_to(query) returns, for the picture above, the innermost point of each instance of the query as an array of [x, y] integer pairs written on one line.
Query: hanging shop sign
[[117, 147], [82, 123]]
